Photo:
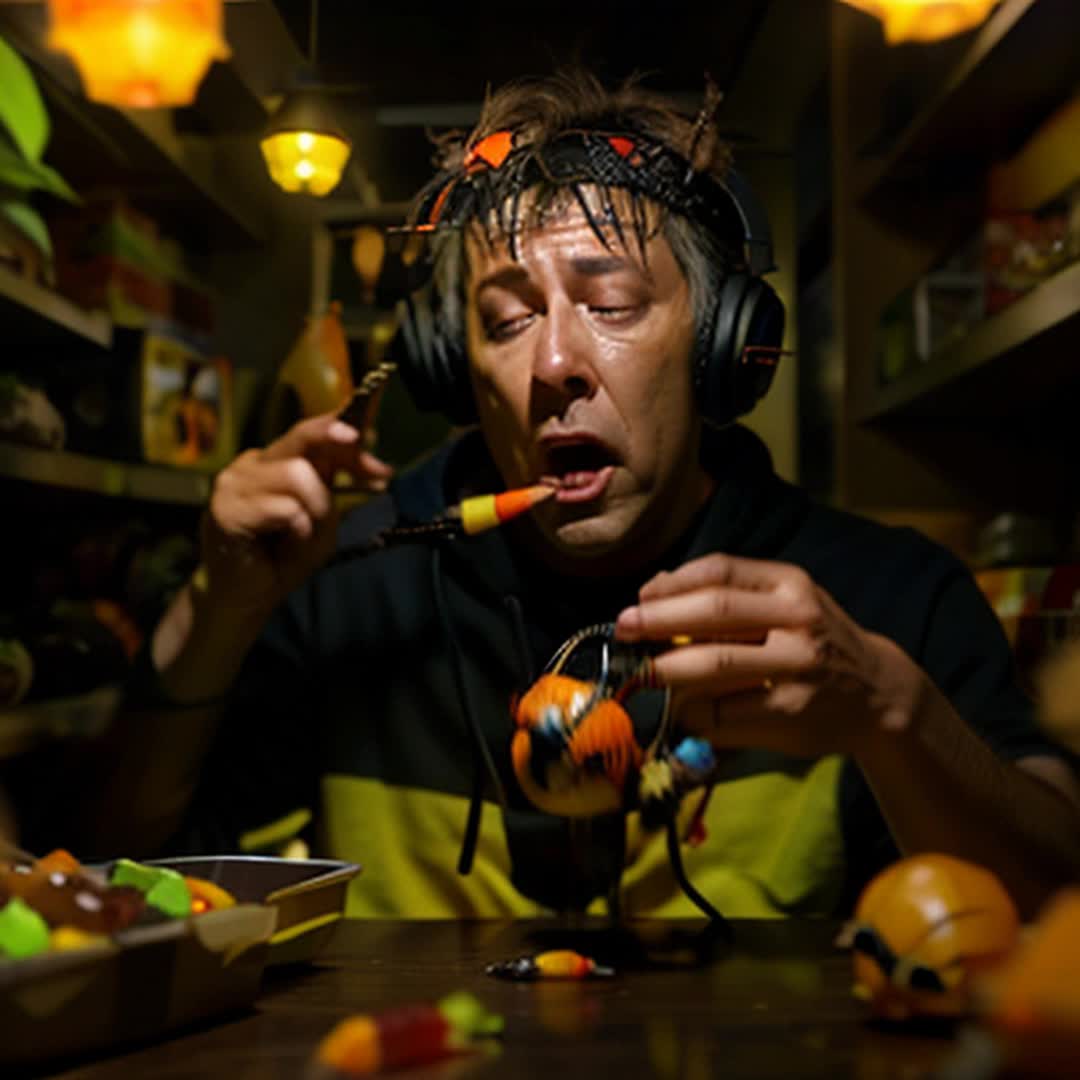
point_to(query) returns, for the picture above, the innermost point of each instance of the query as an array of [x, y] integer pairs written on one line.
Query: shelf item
[[102, 477], [82, 716], [1018, 361], [1021, 65], [31, 312]]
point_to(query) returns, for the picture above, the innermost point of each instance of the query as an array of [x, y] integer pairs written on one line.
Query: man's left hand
[[772, 661]]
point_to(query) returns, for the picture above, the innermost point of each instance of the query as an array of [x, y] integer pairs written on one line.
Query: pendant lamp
[[139, 53], [925, 20], [304, 148]]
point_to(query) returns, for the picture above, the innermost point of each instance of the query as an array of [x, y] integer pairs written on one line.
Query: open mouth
[[580, 470]]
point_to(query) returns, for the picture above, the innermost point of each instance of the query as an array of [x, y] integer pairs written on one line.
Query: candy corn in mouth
[[483, 512]]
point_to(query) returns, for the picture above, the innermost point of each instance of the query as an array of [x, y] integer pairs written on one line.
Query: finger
[[714, 668], [715, 569], [306, 437], [374, 468], [721, 667], [294, 476], [366, 471], [267, 512], [709, 612]]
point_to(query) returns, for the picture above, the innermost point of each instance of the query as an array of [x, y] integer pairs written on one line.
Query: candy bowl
[[308, 895], [135, 985]]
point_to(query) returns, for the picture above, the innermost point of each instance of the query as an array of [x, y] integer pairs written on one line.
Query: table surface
[[777, 1003]]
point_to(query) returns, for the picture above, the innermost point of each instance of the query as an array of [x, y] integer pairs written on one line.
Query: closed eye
[[622, 315], [505, 329]]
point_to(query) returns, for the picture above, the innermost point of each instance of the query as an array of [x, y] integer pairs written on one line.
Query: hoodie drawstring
[[482, 759]]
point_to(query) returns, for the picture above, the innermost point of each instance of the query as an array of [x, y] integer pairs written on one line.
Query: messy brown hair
[[541, 110]]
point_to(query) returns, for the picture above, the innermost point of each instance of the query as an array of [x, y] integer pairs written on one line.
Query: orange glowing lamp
[[304, 149], [925, 20], [139, 54]]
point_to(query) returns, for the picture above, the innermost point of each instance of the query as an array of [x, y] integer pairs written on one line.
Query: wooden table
[[776, 1004]]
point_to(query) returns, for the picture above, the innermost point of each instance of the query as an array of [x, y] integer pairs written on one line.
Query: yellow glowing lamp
[[304, 149], [139, 54], [925, 20]]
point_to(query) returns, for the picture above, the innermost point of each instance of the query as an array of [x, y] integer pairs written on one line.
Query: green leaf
[[53, 182], [23, 217], [21, 109], [23, 175]]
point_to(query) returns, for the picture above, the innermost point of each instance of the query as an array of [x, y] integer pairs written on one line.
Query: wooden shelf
[[99, 476], [1019, 362], [1021, 65], [31, 312]]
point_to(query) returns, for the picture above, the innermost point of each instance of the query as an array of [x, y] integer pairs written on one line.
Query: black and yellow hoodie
[[379, 697]]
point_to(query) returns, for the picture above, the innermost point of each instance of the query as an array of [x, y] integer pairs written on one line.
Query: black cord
[[472, 824], [717, 921], [427, 532]]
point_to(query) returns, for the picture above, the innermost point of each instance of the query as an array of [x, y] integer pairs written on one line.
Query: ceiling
[[393, 75]]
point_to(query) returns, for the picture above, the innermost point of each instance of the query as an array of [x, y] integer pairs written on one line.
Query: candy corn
[[483, 512]]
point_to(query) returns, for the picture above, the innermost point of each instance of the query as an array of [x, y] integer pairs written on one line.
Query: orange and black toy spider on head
[[576, 753], [923, 929]]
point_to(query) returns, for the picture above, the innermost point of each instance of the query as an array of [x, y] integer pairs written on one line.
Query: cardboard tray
[[147, 981], [308, 895]]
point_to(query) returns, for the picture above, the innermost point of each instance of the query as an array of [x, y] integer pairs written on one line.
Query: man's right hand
[[272, 520]]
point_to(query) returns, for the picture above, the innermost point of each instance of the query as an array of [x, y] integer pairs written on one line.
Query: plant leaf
[[23, 175], [22, 111], [29, 222]]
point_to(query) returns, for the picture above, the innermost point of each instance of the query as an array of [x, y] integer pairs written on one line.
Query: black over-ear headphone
[[736, 357]]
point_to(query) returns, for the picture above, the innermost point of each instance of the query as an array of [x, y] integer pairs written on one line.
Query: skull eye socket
[[871, 944], [914, 976], [921, 977]]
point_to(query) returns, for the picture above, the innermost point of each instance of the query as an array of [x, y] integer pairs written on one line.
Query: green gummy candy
[[171, 895], [126, 872], [23, 932], [466, 1014], [163, 888]]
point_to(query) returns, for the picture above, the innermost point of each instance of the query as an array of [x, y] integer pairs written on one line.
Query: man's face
[[580, 362]]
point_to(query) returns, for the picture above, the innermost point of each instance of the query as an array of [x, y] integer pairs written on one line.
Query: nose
[[563, 361]]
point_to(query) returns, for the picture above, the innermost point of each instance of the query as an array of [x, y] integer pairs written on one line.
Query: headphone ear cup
[[740, 349], [433, 365]]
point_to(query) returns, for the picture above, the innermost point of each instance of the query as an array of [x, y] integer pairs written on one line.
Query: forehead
[[614, 226]]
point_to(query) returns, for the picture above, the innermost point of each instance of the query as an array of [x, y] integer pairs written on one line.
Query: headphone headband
[[495, 172]]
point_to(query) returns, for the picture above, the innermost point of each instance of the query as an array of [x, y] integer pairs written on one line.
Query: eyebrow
[[598, 265], [586, 265], [506, 277]]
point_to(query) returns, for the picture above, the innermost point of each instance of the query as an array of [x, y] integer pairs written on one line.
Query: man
[[590, 260]]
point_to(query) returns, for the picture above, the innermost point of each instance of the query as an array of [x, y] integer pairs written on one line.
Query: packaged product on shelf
[[1039, 608], [27, 416], [935, 313], [112, 258], [186, 404], [1021, 250]]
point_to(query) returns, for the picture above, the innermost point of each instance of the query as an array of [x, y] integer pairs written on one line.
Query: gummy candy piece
[[468, 1015], [23, 932], [64, 899], [407, 1035], [163, 888], [67, 938], [206, 896]]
